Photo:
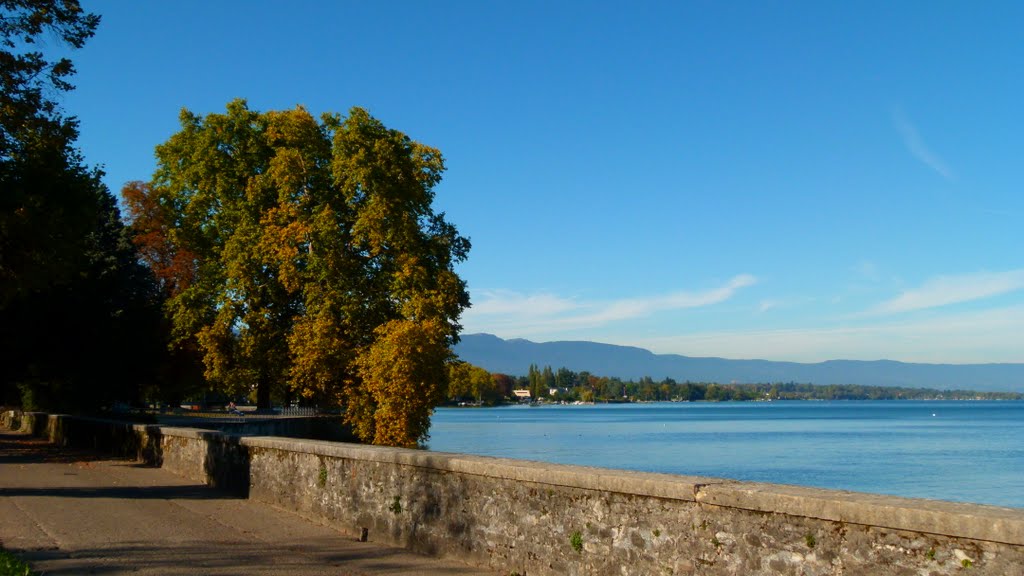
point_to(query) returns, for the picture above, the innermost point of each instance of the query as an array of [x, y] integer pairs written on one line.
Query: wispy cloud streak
[[503, 310], [982, 336], [915, 144], [946, 290]]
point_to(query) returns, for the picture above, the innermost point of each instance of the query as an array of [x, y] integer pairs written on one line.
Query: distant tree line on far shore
[[468, 383]]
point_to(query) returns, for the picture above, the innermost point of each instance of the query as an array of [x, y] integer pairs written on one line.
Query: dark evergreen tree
[[79, 316]]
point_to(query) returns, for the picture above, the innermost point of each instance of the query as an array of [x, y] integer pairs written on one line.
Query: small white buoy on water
[[933, 413]]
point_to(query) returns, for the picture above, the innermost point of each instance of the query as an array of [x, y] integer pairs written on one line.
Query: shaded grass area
[[11, 565]]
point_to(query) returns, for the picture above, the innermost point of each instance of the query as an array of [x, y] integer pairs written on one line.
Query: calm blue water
[[963, 451]]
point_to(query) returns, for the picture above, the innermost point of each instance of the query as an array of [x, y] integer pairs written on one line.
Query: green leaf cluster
[[466, 381], [11, 565], [49, 202]]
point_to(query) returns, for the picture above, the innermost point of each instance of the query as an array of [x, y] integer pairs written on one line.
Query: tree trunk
[[263, 394]]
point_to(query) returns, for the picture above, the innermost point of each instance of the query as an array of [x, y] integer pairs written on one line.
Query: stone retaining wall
[[318, 427], [536, 518]]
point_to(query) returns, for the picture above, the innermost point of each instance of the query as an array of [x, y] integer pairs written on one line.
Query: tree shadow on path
[[20, 448]]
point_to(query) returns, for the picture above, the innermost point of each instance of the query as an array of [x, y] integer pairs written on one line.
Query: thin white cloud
[[946, 290], [992, 335], [504, 302], [637, 308], [915, 144], [504, 312]]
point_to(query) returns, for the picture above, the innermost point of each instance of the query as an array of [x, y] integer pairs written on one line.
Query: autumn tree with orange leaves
[[304, 255]]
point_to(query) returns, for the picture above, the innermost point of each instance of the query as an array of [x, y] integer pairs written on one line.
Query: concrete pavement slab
[[70, 512]]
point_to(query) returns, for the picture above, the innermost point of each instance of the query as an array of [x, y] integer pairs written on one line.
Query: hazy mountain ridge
[[627, 362]]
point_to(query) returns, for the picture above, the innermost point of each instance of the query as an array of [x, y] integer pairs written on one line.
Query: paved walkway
[[76, 513]]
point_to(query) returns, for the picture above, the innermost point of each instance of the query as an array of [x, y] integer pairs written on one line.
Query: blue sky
[[781, 180]]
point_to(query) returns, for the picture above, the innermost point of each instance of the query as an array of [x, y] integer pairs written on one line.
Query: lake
[[947, 450]]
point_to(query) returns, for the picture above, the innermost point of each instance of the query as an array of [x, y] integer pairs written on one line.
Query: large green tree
[[305, 256]]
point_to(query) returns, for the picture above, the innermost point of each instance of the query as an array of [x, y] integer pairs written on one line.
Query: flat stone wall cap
[[174, 432], [588, 478], [961, 520]]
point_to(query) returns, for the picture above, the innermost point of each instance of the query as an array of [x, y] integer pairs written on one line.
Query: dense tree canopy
[[304, 256], [49, 202], [469, 382], [28, 79], [79, 317]]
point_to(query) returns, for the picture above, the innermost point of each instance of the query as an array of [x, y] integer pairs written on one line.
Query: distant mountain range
[[515, 356]]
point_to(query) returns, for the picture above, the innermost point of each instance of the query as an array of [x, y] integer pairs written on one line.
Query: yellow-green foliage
[[466, 380], [315, 262], [403, 375]]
